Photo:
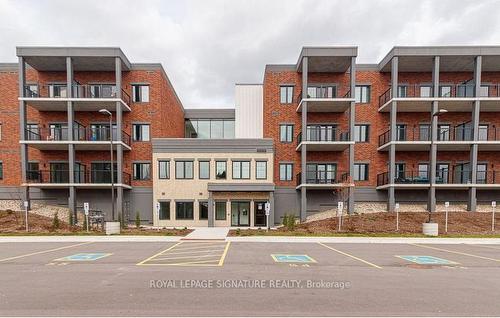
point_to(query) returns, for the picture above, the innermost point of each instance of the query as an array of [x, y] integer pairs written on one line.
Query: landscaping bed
[[467, 224], [13, 223]]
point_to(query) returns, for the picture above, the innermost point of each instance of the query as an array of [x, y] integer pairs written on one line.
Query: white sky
[[208, 46]]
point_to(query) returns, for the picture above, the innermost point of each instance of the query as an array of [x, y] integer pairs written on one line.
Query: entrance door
[[260, 213], [240, 213]]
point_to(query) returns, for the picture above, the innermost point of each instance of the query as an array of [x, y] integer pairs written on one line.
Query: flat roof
[[327, 58]]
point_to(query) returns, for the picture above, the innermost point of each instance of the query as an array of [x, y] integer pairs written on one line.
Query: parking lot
[[220, 278]]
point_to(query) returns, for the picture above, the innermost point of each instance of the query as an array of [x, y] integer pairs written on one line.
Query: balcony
[[85, 97], [327, 179], [324, 139], [453, 97], [458, 138], [85, 138], [448, 179], [83, 179], [330, 99]]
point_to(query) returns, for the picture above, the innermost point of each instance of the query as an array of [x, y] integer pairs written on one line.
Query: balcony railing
[[323, 134], [79, 91], [457, 133], [80, 133], [445, 91], [327, 92], [443, 176], [324, 177], [82, 177]]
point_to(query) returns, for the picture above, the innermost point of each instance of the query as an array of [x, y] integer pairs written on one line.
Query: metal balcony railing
[[80, 133], [323, 134], [79, 91], [327, 92], [445, 91], [323, 177], [443, 176], [85, 177]]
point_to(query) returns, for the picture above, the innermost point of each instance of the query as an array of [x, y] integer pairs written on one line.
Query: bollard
[[446, 205], [493, 206], [397, 217]]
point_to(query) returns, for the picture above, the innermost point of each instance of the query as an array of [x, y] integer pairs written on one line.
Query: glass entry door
[[240, 213]]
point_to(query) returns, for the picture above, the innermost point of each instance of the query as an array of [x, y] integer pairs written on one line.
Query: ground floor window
[[204, 210], [164, 210], [184, 210], [220, 210]]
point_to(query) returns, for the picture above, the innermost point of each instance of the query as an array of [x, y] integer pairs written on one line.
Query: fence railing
[[78, 91], [324, 177], [323, 134], [327, 92], [443, 176], [80, 176], [80, 133]]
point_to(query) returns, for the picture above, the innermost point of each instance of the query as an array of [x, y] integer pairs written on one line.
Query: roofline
[[341, 51], [209, 113], [9, 67]]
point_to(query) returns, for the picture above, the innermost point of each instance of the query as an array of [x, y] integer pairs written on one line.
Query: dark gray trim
[[279, 67], [193, 145], [241, 187], [9, 67], [207, 113]]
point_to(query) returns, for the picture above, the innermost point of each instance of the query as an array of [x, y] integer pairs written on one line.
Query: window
[[286, 170], [261, 170], [184, 170], [483, 133], [204, 169], [140, 132], [57, 90], [32, 132], [319, 173], [360, 172], [322, 91], [402, 91], [481, 173], [286, 94], [141, 171], [423, 171], [442, 173], [362, 94], [424, 131], [425, 91], [286, 133], [484, 91], [241, 169], [209, 128], [184, 210], [443, 132], [31, 90], [220, 210], [164, 210], [164, 169], [400, 170], [203, 210], [33, 172], [140, 93], [401, 132], [1, 170], [361, 133], [445, 91], [221, 170]]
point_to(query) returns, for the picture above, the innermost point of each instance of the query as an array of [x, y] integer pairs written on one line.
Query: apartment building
[[62, 106]]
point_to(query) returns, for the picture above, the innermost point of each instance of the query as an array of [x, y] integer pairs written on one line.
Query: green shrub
[[291, 222], [285, 220], [55, 222], [70, 217], [137, 220]]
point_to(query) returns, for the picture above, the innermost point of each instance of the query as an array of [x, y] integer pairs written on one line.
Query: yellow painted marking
[[42, 252], [198, 247], [456, 252], [351, 256], [180, 257], [194, 252], [221, 262], [193, 263], [158, 254]]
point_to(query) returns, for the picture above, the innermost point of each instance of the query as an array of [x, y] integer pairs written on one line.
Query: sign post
[[86, 209], [446, 206], [397, 216], [267, 207], [158, 212], [493, 206], [26, 203], [340, 208]]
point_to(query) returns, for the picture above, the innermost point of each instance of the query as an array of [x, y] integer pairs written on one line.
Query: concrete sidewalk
[[207, 233]]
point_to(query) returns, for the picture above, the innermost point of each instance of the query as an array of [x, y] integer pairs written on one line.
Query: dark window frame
[[288, 94], [160, 212], [225, 210], [140, 138], [200, 162], [140, 96], [256, 169], [367, 171], [140, 178], [367, 94], [200, 203], [185, 215], [367, 139], [286, 172], [241, 169], [288, 134], [184, 169], [167, 172], [216, 170]]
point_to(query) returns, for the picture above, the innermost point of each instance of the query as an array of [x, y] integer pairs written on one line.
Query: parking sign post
[[26, 214], [397, 216], [493, 206], [446, 206], [340, 207], [86, 209], [267, 207]]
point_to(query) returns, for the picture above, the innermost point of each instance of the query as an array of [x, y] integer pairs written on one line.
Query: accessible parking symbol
[[83, 257], [426, 260], [287, 258]]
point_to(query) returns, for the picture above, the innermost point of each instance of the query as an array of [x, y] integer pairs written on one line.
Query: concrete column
[[211, 214], [352, 122], [472, 204], [271, 213], [431, 205], [119, 147], [303, 152], [24, 195], [392, 148], [71, 146]]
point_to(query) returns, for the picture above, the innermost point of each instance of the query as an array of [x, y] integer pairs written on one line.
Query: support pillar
[[74, 175], [119, 147], [24, 190], [211, 214], [392, 148], [352, 122], [431, 205], [271, 213], [303, 149], [472, 203]]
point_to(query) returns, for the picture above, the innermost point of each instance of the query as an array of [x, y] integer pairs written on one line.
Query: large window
[[362, 94], [209, 128], [425, 91], [203, 210], [164, 169], [164, 210], [140, 93], [261, 170], [322, 91], [423, 171], [221, 170], [204, 169], [286, 171], [184, 210], [220, 210], [140, 132], [1, 170], [184, 170], [141, 170], [241, 169], [360, 172], [286, 133], [286, 94], [361, 133]]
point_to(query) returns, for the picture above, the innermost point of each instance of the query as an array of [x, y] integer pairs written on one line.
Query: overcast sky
[[208, 46]]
